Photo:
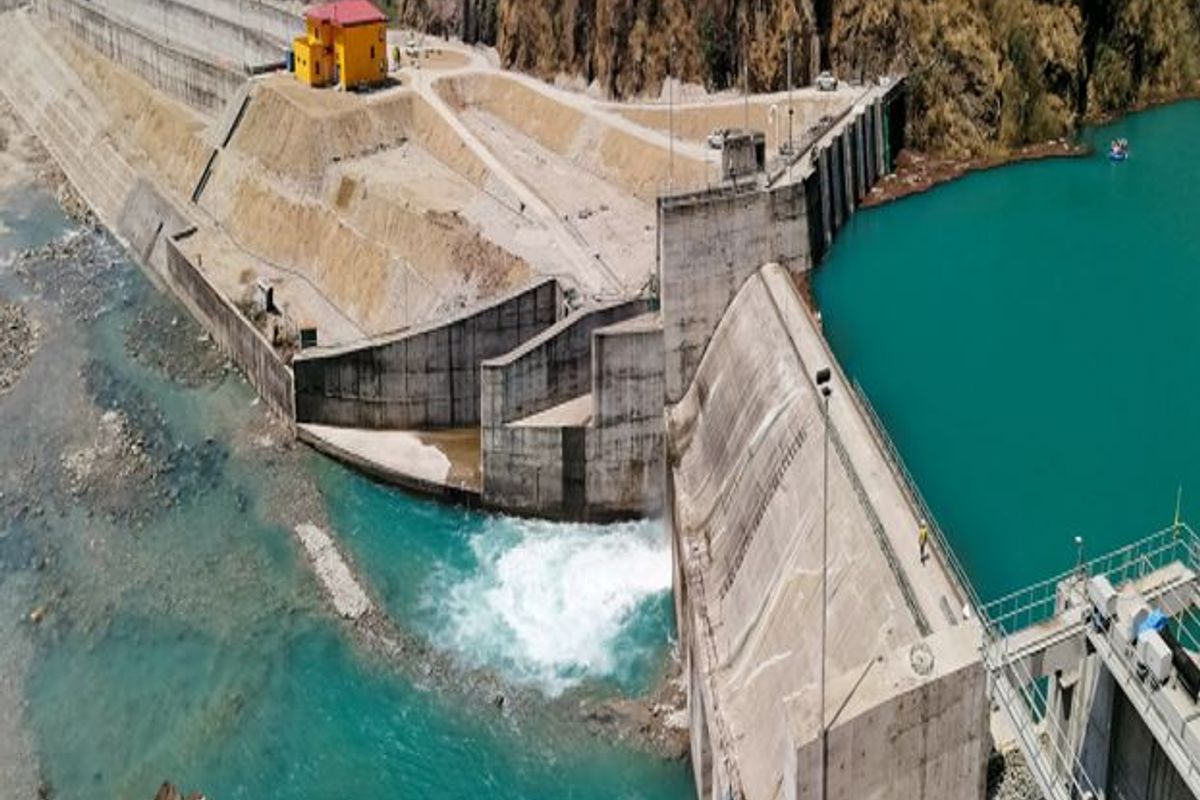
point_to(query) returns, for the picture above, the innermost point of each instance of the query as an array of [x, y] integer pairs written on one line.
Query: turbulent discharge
[[548, 604]]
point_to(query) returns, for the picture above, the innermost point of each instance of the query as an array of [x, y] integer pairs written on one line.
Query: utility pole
[[746, 82], [791, 110], [671, 117], [1079, 556], [823, 376]]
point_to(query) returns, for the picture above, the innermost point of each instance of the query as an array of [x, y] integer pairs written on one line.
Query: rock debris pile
[[1009, 778], [18, 342]]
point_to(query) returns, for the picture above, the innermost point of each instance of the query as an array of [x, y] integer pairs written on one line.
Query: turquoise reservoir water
[[1031, 338], [183, 635]]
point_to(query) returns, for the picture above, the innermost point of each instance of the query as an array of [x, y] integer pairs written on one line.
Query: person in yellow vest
[[923, 538]]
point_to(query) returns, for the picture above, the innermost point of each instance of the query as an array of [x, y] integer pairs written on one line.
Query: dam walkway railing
[[941, 549], [1009, 684]]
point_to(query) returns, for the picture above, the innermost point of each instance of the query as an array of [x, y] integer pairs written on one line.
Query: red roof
[[345, 13]]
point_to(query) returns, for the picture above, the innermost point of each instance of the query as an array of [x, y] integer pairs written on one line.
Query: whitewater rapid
[[552, 605]]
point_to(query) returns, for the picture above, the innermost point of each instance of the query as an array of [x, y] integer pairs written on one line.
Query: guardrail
[[1038, 602], [1023, 698], [941, 548]]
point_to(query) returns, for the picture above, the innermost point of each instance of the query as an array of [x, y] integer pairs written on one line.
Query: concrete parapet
[[184, 73], [428, 377]]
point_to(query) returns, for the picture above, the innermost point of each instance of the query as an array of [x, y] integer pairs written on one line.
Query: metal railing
[[941, 548], [1027, 707], [1040, 601], [1147, 702]]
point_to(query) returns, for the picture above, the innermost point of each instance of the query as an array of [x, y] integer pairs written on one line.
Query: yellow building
[[345, 42]]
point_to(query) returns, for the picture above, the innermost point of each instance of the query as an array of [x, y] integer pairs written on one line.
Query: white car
[[826, 82], [716, 139]]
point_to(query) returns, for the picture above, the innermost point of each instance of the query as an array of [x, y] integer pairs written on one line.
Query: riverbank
[[152, 517], [917, 173]]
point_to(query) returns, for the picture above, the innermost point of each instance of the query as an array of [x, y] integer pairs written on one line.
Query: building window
[[372, 52], [317, 68]]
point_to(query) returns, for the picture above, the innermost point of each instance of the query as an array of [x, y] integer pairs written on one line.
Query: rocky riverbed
[[122, 464], [18, 342]]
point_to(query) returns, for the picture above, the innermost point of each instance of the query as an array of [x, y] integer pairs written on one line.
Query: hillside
[[986, 74]]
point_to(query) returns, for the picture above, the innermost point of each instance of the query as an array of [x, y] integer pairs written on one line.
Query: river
[[158, 620], [1029, 337]]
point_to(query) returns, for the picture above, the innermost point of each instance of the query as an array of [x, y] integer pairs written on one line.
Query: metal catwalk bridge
[[1033, 633]]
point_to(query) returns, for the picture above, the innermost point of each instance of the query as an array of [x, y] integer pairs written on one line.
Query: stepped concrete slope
[[199, 78], [68, 119], [746, 446]]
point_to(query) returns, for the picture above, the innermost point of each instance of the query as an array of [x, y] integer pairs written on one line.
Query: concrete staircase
[[65, 116]]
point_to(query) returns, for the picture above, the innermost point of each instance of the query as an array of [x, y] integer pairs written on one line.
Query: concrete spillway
[[746, 446]]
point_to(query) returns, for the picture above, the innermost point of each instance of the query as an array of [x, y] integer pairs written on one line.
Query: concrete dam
[[509, 295]]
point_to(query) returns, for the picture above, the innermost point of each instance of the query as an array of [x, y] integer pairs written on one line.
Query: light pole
[[823, 376]]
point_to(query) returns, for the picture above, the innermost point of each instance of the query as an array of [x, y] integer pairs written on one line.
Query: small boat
[[1118, 150]]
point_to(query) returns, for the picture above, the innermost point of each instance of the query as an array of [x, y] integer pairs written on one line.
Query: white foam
[[548, 602]]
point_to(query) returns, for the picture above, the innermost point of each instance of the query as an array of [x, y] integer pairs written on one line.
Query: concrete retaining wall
[[232, 332], [185, 24], [523, 470], [551, 368], [425, 378], [187, 75], [277, 23], [149, 225], [146, 223], [67, 118], [625, 452], [606, 463], [709, 244]]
